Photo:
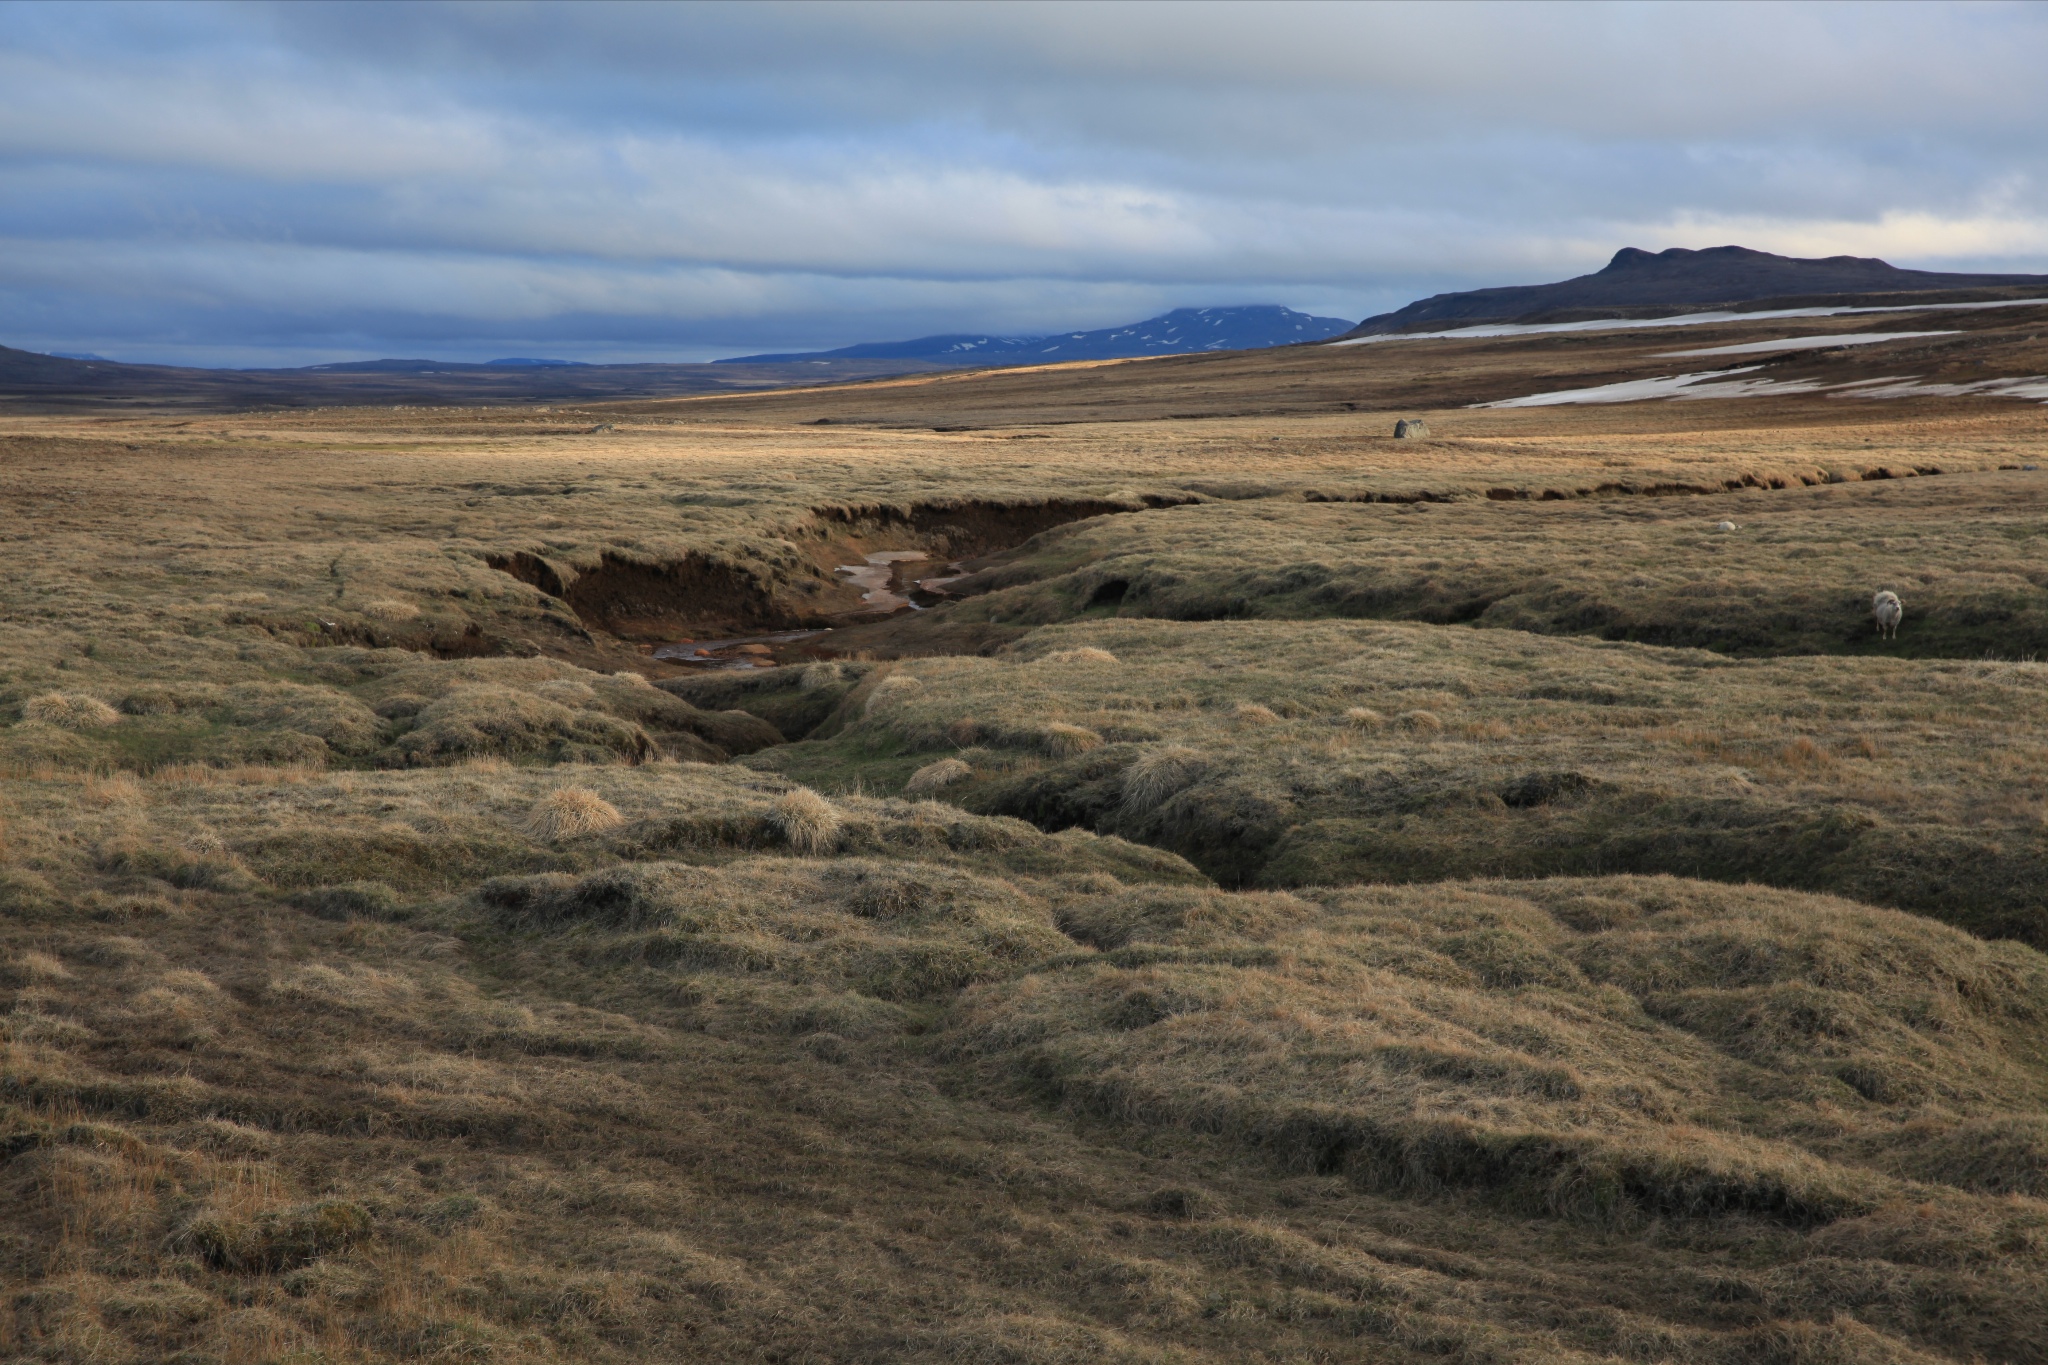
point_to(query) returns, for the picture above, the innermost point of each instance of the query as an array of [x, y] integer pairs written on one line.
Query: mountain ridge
[[1678, 278], [33, 379], [1178, 332]]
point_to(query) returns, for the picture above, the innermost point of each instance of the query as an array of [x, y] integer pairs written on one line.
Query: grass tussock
[[70, 711], [1158, 774], [572, 812], [1061, 740], [808, 822], [884, 931], [1086, 654], [390, 609], [936, 776], [888, 691]]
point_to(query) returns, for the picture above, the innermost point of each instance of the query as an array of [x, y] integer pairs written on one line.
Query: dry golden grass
[[808, 822], [932, 776], [386, 708], [1965, 550], [113, 789], [570, 812], [136, 562], [390, 609], [703, 1110], [1062, 740], [1158, 773], [1581, 1047], [1910, 783], [70, 711], [339, 1023]]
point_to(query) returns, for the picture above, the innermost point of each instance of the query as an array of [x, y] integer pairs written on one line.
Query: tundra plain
[[1295, 896]]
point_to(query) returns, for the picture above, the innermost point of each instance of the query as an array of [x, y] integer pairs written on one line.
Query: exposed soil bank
[[1625, 488], [794, 579], [660, 599], [793, 582], [963, 529]]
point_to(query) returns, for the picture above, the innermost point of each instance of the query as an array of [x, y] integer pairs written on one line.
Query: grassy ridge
[[1322, 753], [1606, 1048], [617, 1109], [353, 707], [1969, 553]]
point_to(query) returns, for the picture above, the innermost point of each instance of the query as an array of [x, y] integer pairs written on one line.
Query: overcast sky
[[229, 184]]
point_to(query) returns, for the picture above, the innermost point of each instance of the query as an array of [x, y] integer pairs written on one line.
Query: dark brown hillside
[[42, 383], [1679, 279]]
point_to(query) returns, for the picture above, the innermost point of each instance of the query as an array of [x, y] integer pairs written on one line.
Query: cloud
[[639, 181], [1917, 236]]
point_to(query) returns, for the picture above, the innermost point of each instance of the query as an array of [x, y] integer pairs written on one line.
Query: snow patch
[[1805, 343], [2033, 386], [1688, 386], [1635, 390]]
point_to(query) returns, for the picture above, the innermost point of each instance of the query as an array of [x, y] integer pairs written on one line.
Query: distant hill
[[428, 366], [1177, 333], [30, 381], [1679, 279]]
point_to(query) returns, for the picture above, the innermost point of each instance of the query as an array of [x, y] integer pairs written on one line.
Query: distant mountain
[[434, 366], [31, 381], [1183, 330], [78, 355], [1679, 279]]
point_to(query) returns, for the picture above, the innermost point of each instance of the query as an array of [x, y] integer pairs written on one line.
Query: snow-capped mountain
[[1183, 330]]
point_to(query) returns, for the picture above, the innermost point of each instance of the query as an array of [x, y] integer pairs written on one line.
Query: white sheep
[[1887, 611]]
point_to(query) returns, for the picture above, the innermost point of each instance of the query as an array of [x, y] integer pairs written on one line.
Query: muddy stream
[[889, 584]]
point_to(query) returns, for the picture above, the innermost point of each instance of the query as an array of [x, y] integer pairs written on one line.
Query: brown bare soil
[[1301, 896]]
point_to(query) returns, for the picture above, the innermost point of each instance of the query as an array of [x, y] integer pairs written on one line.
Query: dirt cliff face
[[789, 579]]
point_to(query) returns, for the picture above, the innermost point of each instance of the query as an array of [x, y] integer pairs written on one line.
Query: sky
[[257, 184]]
